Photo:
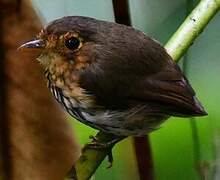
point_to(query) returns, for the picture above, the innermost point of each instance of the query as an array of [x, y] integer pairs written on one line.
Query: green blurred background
[[183, 149]]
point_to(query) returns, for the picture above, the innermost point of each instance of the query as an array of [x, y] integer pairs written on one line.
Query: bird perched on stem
[[112, 77]]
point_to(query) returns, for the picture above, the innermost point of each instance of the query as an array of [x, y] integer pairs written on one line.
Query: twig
[[190, 29]]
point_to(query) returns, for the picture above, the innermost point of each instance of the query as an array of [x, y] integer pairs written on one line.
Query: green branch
[[190, 29], [90, 159], [176, 47]]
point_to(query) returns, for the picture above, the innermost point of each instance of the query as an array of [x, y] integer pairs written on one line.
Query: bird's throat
[[62, 75]]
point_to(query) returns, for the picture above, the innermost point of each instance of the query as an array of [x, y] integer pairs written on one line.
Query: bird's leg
[[96, 144], [102, 145]]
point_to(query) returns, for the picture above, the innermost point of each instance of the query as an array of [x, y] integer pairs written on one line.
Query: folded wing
[[171, 89]]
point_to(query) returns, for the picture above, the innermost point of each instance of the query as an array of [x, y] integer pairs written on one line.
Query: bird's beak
[[38, 44]]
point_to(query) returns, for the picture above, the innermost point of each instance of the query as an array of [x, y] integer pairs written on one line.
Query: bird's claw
[[110, 160], [96, 144]]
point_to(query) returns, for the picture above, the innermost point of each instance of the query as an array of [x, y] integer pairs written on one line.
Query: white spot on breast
[[67, 103]]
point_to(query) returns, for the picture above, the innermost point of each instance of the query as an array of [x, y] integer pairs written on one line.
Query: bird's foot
[[96, 144]]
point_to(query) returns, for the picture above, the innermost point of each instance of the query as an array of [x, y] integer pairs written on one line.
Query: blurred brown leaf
[[40, 139]]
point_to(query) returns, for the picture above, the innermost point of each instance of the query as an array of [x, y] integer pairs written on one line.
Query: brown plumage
[[113, 77]]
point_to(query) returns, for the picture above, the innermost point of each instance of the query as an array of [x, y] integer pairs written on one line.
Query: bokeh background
[[183, 149]]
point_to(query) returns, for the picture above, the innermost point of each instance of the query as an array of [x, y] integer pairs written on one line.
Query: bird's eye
[[72, 43]]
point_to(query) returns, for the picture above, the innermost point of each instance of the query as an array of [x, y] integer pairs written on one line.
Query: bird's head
[[70, 41]]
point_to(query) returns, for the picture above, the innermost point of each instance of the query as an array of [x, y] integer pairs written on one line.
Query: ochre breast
[[65, 75]]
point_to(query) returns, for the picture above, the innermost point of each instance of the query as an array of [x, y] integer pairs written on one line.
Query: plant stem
[[190, 29], [176, 47], [90, 159]]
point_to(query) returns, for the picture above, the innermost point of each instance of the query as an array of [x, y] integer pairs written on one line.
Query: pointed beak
[[38, 44]]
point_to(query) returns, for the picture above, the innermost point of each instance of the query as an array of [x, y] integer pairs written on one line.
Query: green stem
[[90, 159], [176, 47], [190, 29]]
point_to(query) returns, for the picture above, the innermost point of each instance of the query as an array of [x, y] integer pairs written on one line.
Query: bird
[[112, 77]]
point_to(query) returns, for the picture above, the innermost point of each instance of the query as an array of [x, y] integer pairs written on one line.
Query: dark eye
[[72, 43]]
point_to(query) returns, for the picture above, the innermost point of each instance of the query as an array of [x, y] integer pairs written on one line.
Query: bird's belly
[[131, 122], [123, 123]]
